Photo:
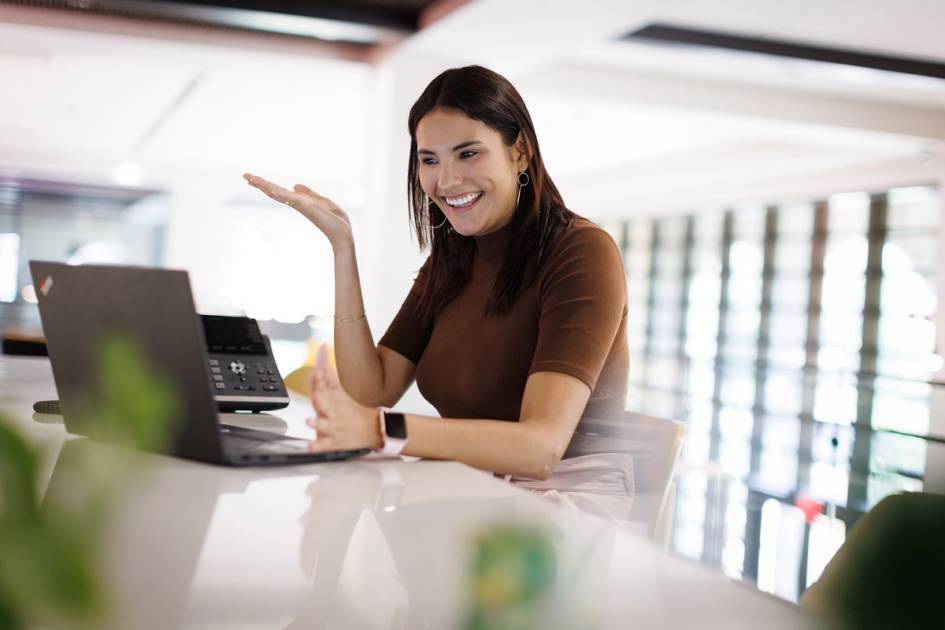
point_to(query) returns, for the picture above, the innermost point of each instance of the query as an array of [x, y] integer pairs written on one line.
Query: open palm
[[322, 211]]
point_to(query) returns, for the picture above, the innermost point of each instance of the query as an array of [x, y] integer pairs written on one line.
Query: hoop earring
[[521, 185], [442, 223]]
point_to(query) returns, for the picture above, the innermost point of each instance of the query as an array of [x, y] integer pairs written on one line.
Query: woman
[[515, 326]]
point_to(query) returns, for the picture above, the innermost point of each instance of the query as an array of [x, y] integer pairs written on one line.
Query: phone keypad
[[260, 377]]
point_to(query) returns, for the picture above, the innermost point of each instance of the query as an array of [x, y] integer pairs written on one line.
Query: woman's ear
[[520, 152]]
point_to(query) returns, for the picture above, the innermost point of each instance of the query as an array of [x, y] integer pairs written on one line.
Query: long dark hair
[[541, 215]]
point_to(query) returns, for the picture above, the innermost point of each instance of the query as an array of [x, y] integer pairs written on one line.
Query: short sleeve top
[[571, 319]]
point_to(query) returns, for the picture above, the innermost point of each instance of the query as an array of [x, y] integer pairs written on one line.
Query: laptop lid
[[82, 305]]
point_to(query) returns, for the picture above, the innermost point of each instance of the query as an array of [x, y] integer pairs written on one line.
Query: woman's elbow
[[362, 395], [545, 461]]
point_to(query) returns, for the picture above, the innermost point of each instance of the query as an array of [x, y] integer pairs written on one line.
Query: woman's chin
[[464, 228], [464, 231]]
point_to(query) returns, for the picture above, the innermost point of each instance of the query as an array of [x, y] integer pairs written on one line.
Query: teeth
[[464, 200]]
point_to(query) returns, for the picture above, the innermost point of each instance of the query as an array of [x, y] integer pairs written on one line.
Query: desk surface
[[360, 544]]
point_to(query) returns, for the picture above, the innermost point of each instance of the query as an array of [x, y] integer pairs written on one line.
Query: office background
[[779, 216]]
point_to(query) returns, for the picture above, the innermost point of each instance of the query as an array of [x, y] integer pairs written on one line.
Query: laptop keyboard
[[239, 440], [233, 431]]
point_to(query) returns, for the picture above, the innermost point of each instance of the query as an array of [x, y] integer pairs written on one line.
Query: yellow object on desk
[[299, 379]]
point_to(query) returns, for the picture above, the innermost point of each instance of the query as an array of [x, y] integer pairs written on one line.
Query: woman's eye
[[465, 154], [428, 161]]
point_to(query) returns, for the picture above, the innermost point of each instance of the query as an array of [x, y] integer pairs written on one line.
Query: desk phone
[[240, 366]]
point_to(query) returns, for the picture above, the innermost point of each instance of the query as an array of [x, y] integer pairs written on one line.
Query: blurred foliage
[[512, 574], [51, 548], [890, 571]]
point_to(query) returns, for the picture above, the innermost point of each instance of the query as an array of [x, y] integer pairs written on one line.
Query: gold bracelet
[[348, 320]]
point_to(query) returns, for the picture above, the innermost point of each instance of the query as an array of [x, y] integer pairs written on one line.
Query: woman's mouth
[[462, 203]]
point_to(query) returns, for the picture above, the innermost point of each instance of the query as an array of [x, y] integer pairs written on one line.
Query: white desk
[[362, 544]]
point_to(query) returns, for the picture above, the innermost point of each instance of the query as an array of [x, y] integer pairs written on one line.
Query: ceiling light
[[128, 173], [668, 34], [302, 26], [336, 25]]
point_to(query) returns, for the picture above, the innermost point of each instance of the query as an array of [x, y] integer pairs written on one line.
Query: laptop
[[80, 305]]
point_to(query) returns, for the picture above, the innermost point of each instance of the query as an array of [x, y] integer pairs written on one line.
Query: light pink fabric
[[600, 484]]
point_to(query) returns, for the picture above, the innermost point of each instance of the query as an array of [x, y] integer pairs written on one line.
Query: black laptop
[[80, 305]]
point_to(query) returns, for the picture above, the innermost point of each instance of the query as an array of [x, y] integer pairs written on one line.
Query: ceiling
[[628, 126], [86, 102], [356, 21], [94, 91]]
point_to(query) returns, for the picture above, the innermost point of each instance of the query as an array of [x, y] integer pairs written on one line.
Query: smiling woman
[[515, 327]]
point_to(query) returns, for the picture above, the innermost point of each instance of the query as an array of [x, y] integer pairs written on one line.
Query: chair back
[[653, 443]]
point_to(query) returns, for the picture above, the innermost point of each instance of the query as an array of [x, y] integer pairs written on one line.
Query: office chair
[[654, 444]]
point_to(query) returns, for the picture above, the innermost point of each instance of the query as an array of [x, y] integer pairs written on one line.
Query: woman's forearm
[[360, 370], [497, 446]]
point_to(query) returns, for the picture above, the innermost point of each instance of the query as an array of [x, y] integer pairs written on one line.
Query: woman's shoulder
[[584, 239], [583, 259]]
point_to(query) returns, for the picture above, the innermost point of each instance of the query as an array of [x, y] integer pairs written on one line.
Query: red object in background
[[810, 507]]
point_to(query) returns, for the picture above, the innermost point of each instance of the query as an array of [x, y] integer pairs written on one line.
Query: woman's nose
[[449, 176]]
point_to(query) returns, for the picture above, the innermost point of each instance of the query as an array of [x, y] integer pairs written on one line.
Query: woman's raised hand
[[322, 211]]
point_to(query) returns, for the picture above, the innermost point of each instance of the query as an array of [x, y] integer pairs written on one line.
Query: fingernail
[[321, 359]]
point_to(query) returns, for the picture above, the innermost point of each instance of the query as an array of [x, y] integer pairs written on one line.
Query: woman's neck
[[492, 246]]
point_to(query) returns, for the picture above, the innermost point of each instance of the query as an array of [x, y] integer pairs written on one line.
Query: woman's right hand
[[322, 211]]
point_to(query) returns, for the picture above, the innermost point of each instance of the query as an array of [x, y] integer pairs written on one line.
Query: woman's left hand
[[342, 424]]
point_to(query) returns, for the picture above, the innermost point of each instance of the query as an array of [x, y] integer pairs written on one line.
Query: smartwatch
[[393, 431]]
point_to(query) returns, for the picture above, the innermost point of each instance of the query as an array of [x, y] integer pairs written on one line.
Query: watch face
[[395, 426]]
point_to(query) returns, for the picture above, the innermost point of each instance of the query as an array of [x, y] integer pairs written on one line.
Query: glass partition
[[797, 341]]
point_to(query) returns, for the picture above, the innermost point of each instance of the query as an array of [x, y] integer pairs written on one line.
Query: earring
[[521, 185], [429, 204]]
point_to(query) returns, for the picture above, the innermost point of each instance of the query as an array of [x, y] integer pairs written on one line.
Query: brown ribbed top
[[572, 319]]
